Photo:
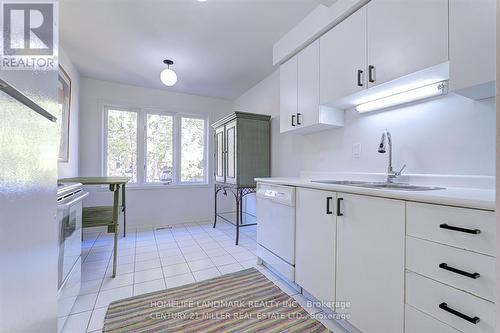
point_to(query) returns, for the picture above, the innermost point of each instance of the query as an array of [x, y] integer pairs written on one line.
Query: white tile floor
[[155, 259]]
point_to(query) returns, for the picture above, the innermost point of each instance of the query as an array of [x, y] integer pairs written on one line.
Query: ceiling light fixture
[[168, 76], [431, 90], [202, 0]]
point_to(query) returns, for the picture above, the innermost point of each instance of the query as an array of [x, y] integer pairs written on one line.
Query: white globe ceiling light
[[168, 76]]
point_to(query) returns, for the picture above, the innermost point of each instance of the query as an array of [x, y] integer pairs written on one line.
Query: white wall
[[264, 98], [449, 135], [70, 168], [145, 206]]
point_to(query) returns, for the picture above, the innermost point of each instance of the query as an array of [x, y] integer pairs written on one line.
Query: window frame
[[141, 138], [145, 146], [205, 148], [104, 157]]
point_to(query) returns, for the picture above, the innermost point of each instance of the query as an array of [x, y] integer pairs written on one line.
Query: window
[[159, 149], [192, 149], [122, 144], [171, 148]]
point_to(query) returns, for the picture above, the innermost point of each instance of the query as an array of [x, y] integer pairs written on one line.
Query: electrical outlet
[[356, 150]]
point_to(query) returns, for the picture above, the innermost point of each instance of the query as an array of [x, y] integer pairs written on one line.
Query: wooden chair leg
[[115, 223], [124, 211]]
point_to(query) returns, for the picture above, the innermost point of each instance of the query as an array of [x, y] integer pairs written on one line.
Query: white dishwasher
[[276, 227]]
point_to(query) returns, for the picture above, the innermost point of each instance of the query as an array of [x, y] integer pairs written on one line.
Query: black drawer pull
[[298, 118], [339, 213], [468, 231], [445, 307], [328, 203], [458, 271], [293, 120]]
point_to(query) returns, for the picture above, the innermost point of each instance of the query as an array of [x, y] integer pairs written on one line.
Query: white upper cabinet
[[343, 58], [472, 47], [288, 94], [300, 108], [405, 36], [308, 86], [396, 42]]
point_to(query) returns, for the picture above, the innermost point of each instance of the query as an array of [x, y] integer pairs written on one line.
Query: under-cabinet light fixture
[[427, 91]]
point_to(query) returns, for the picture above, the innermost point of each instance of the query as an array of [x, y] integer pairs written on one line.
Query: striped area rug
[[245, 301]]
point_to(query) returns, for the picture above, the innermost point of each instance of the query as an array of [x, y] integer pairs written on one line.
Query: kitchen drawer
[[425, 257], [430, 222], [418, 322], [427, 295]]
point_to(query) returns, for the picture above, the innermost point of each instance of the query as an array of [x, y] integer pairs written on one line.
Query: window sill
[[135, 187]]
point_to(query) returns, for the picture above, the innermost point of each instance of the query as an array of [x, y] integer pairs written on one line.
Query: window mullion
[[141, 147], [177, 148], [104, 155]]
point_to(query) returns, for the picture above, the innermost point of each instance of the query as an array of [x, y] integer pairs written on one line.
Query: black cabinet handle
[[328, 203], [468, 231], [339, 213], [459, 271], [371, 73], [293, 120], [360, 73], [445, 307], [298, 118]]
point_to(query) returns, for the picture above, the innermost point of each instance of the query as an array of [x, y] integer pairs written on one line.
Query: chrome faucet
[[382, 148]]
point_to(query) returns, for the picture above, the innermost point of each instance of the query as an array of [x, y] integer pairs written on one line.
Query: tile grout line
[[102, 281], [182, 253], [209, 257], [98, 292], [227, 234], [135, 256], [159, 258]]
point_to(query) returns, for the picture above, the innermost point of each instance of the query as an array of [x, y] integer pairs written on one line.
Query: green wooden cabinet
[[242, 148]]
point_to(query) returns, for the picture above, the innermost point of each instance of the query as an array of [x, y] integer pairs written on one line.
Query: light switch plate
[[356, 150]]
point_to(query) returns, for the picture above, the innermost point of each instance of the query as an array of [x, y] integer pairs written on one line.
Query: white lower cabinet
[[315, 243], [350, 252], [450, 268], [462, 269], [370, 262], [418, 322], [454, 307]]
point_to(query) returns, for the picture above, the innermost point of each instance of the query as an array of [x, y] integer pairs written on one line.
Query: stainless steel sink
[[380, 185], [341, 182]]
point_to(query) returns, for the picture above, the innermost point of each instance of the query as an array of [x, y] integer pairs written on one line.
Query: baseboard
[[131, 225]]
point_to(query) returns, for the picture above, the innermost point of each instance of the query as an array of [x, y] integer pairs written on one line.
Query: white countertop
[[453, 196]]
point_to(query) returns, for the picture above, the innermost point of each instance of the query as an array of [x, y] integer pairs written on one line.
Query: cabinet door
[[219, 154], [308, 85], [370, 262], [231, 153], [472, 47], [315, 243], [288, 94], [343, 58], [405, 36]]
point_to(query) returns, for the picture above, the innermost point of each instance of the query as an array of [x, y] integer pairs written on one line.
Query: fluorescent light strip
[[431, 90]]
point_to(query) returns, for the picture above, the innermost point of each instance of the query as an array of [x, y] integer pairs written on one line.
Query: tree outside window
[[122, 144]]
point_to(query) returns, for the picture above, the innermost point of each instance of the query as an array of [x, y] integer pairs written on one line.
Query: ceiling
[[221, 48]]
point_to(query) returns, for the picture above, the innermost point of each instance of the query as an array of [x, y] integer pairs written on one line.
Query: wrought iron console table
[[239, 193]]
